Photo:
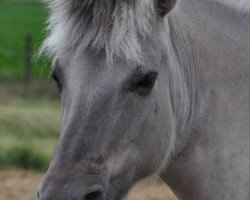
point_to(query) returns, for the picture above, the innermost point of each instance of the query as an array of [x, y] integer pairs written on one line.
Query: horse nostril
[[95, 194]]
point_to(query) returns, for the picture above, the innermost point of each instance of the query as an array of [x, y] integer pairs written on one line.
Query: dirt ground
[[21, 185]]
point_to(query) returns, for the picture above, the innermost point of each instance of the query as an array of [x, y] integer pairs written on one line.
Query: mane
[[239, 5], [117, 26]]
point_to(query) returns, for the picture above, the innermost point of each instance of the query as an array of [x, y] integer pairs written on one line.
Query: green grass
[[24, 120], [19, 19], [28, 133], [29, 124]]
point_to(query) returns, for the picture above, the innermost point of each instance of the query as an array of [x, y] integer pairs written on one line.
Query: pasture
[[19, 19], [29, 130], [28, 119]]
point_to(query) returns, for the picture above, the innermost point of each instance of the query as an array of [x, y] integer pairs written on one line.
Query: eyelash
[[144, 86], [57, 80]]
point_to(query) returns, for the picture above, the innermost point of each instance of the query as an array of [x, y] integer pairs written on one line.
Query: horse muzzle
[[87, 189]]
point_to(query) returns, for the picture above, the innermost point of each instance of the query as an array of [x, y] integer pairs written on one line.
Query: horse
[[150, 87]]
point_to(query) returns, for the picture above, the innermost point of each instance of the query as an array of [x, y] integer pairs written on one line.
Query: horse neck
[[205, 163], [186, 78]]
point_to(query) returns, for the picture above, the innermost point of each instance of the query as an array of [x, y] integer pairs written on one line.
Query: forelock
[[117, 26]]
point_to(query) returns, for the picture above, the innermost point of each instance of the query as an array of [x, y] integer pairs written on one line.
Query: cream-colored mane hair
[[99, 24]]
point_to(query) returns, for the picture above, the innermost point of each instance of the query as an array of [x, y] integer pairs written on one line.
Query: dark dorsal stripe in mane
[[94, 11], [114, 25]]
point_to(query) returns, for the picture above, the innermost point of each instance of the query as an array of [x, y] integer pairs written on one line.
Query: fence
[[21, 34]]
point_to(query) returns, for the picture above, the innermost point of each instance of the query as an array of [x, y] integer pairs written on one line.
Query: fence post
[[27, 59]]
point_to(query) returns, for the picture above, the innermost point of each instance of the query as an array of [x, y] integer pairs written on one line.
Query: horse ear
[[163, 7]]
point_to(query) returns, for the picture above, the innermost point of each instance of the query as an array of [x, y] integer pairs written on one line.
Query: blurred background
[[30, 106]]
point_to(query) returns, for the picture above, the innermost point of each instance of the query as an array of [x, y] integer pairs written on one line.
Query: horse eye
[[57, 80], [146, 84]]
